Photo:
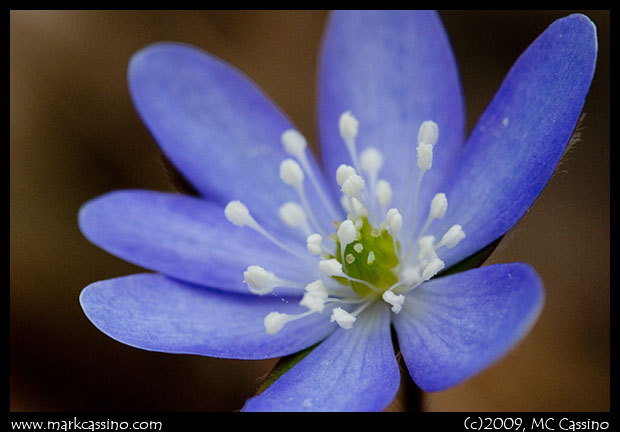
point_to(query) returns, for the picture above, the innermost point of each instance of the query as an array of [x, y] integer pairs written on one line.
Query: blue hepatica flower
[[277, 254]]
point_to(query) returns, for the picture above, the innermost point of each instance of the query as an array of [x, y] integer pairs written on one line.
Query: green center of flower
[[372, 257]]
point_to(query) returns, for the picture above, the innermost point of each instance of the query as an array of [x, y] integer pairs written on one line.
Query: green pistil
[[356, 263]]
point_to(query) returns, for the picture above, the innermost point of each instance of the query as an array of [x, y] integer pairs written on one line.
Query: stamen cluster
[[367, 259]]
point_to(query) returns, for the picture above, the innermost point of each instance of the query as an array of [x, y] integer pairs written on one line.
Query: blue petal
[[155, 313], [353, 370], [392, 70], [521, 137], [453, 327], [217, 128], [187, 238]]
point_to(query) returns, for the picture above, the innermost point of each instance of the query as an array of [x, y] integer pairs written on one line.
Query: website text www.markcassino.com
[[88, 425]]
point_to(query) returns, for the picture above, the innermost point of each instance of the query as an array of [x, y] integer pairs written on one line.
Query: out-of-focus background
[[74, 135]]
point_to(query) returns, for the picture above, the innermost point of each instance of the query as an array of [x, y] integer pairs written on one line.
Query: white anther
[[237, 213], [352, 186], [358, 207], [439, 205], [313, 302], [330, 267], [371, 161], [346, 204], [291, 173], [426, 246], [343, 318], [293, 215], [428, 133], [371, 257], [426, 249], [348, 126], [425, 156], [358, 247], [317, 288], [344, 172], [294, 143], [432, 268], [346, 233], [453, 236], [394, 220], [259, 280], [396, 300], [384, 193], [274, 322], [411, 275], [314, 244]]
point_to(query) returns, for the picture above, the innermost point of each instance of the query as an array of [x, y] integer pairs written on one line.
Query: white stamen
[[358, 208], [425, 156], [313, 302], [439, 206], [411, 275], [261, 281], [394, 220], [432, 268], [346, 233], [331, 267], [427, 138], [453, 236], [314, 244], [346, 204], [426, 246], [293, 215], [274, 322], [343, 318], [317, 288], [349, 126], [396, 300], [344, 172], [291, 173], [371, 161], [294, 143], [384, 193], [352, 186], [371, 257], [428, 133], [358, 247], [237, 213]]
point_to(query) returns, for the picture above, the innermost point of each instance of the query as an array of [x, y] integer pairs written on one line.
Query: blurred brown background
[[75, 135]]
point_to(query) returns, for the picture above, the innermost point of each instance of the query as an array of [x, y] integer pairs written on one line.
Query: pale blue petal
[[217, 128], [352, 370], [453, 327], [155, 313], [187, 238], [392, 70], [521, 137]]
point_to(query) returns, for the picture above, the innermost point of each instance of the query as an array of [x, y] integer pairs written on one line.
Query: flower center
[[368, 258], [372, 257]]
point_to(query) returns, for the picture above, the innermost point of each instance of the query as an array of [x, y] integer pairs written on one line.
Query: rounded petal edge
[[454, 327]]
